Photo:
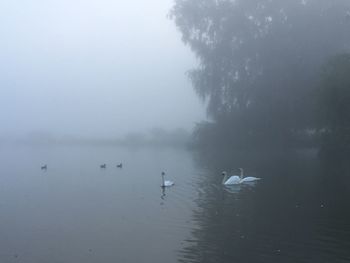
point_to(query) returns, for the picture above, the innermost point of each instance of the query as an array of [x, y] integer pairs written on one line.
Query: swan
[[248, 178], [166, 183], [235, 179]]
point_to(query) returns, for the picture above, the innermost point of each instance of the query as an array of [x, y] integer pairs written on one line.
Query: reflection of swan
[[233, 188], [166, 183], [163, 194], [235, 179]]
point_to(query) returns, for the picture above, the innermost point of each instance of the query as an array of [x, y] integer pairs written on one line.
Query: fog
[[93, 68], [193, 131]]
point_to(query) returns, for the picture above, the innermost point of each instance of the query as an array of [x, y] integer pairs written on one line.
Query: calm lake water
[[77, 212]]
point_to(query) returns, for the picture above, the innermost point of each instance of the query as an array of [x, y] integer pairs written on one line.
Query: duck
[[166, 183], [44, 167], [120, 165], [103, 166]]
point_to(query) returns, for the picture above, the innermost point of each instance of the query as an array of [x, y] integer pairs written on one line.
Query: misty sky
[[93, 68]]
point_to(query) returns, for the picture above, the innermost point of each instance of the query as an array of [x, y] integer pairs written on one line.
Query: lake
[[76, 211]]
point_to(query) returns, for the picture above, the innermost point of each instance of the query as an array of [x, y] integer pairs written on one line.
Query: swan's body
[[249, 179], [166, 183], [235, 179]]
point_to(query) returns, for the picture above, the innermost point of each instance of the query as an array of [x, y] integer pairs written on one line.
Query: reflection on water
[[163, 193], [76, 212], [237, 188], [289, 216]]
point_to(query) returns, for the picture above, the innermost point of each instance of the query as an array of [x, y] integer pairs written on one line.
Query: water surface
[[77, 212]]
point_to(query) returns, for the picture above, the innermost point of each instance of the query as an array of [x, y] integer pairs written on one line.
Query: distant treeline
[[274, 74], [156, 137]]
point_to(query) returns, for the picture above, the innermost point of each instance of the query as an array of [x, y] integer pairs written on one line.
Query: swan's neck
[[241, 176], [163, 181], [225, 178]]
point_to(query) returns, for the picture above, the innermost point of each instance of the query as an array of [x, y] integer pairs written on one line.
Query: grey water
[[77, 212]]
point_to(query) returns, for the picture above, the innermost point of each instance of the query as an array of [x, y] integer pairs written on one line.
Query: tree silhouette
[[259, 61]]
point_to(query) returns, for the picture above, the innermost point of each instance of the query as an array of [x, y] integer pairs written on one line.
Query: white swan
[[235, 179], [248, 178], [166, 183]]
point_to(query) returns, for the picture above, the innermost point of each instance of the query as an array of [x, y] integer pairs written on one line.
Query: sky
[[93, 68]]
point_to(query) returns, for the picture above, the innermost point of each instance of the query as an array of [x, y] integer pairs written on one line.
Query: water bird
[[44, 167], [235, 179], [103, 166], [166, 183], [248, 178], [120, 165]]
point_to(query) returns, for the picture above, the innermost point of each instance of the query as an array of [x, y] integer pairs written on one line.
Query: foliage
[[334, 104], [334, 94], [259, 61]]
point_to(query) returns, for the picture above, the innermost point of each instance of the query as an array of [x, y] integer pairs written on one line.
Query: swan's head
[[224, 173], [163, 174], [241, 169]]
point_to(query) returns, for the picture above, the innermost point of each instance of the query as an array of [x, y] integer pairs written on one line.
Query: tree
[[258, 59], [334, 104]]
